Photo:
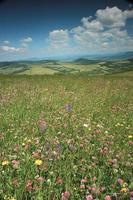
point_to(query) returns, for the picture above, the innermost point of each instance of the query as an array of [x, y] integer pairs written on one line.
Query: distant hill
[[85, 61], [108, 57], [101, 65]]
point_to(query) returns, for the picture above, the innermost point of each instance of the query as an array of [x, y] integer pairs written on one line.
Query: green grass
[[91, 141]]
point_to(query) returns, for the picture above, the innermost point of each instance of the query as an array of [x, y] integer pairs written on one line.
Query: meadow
[[66, 137]]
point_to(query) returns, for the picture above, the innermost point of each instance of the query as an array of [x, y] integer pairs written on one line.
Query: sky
[[64, 28]]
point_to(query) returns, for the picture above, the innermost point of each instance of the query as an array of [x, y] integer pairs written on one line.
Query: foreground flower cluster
[[66, 138]]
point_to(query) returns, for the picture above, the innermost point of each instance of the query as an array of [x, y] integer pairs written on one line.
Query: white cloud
[[59, 37], [6, 42], [22, 49], [106, 32], [113, 17], [91, 25], [26, 40], [58, 42], [9, 49]]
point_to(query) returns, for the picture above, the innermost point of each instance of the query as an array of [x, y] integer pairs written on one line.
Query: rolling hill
[[119, 63]]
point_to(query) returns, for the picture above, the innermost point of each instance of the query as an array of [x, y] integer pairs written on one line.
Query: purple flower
[[42, 126], [68, 107]]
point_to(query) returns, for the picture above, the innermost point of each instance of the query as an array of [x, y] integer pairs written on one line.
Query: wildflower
[[131, 143], [40, 179], [124, 190], [15, 164], [84, 180], [65, 195], [15, 183], [59, 181], [86, 125], [36, 155], [68, 107], [89, 197], [5, 162], [82, 186], [29, 185], [12, 198], [29, 141], [130, 136], [38, 162], [120, 181], [94, 179], [49, 182], [42, 126], [131, 195], [107, 197]]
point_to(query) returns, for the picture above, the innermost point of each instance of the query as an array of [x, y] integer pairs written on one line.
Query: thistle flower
[[15, 164], [65, 195], [89, 197], [40, 179], [59, 181], [29, 185]]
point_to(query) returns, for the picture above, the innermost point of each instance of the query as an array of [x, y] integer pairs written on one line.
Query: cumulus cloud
[[58, 42], [22, 49], [9, 49], [92, 25], [26, 40], [105, 32], [113, 17]]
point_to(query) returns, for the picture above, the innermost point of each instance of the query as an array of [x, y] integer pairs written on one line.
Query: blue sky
[[63, 28]]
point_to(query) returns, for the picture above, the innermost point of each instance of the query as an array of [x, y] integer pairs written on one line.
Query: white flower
[[86, 125]]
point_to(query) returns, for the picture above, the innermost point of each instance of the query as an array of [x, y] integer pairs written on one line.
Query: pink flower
[[82, 186], [104, 151], [65, 195], [94, 179], [36, 155], [40, 179], [15, 183], [107, 197], [15, 164], [89, 197], [29, 185], [16, 149], [120, 181], [84, 180], [93, 189], [59, 181], [130, 142], [131, 193]]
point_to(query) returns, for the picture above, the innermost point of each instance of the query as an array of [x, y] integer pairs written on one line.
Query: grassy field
[[66, 137]]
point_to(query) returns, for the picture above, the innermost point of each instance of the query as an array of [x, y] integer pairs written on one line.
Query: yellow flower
[[124, 190], [29, 141], [5, 162], [130, 136], [12, 198], [38, 162]]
